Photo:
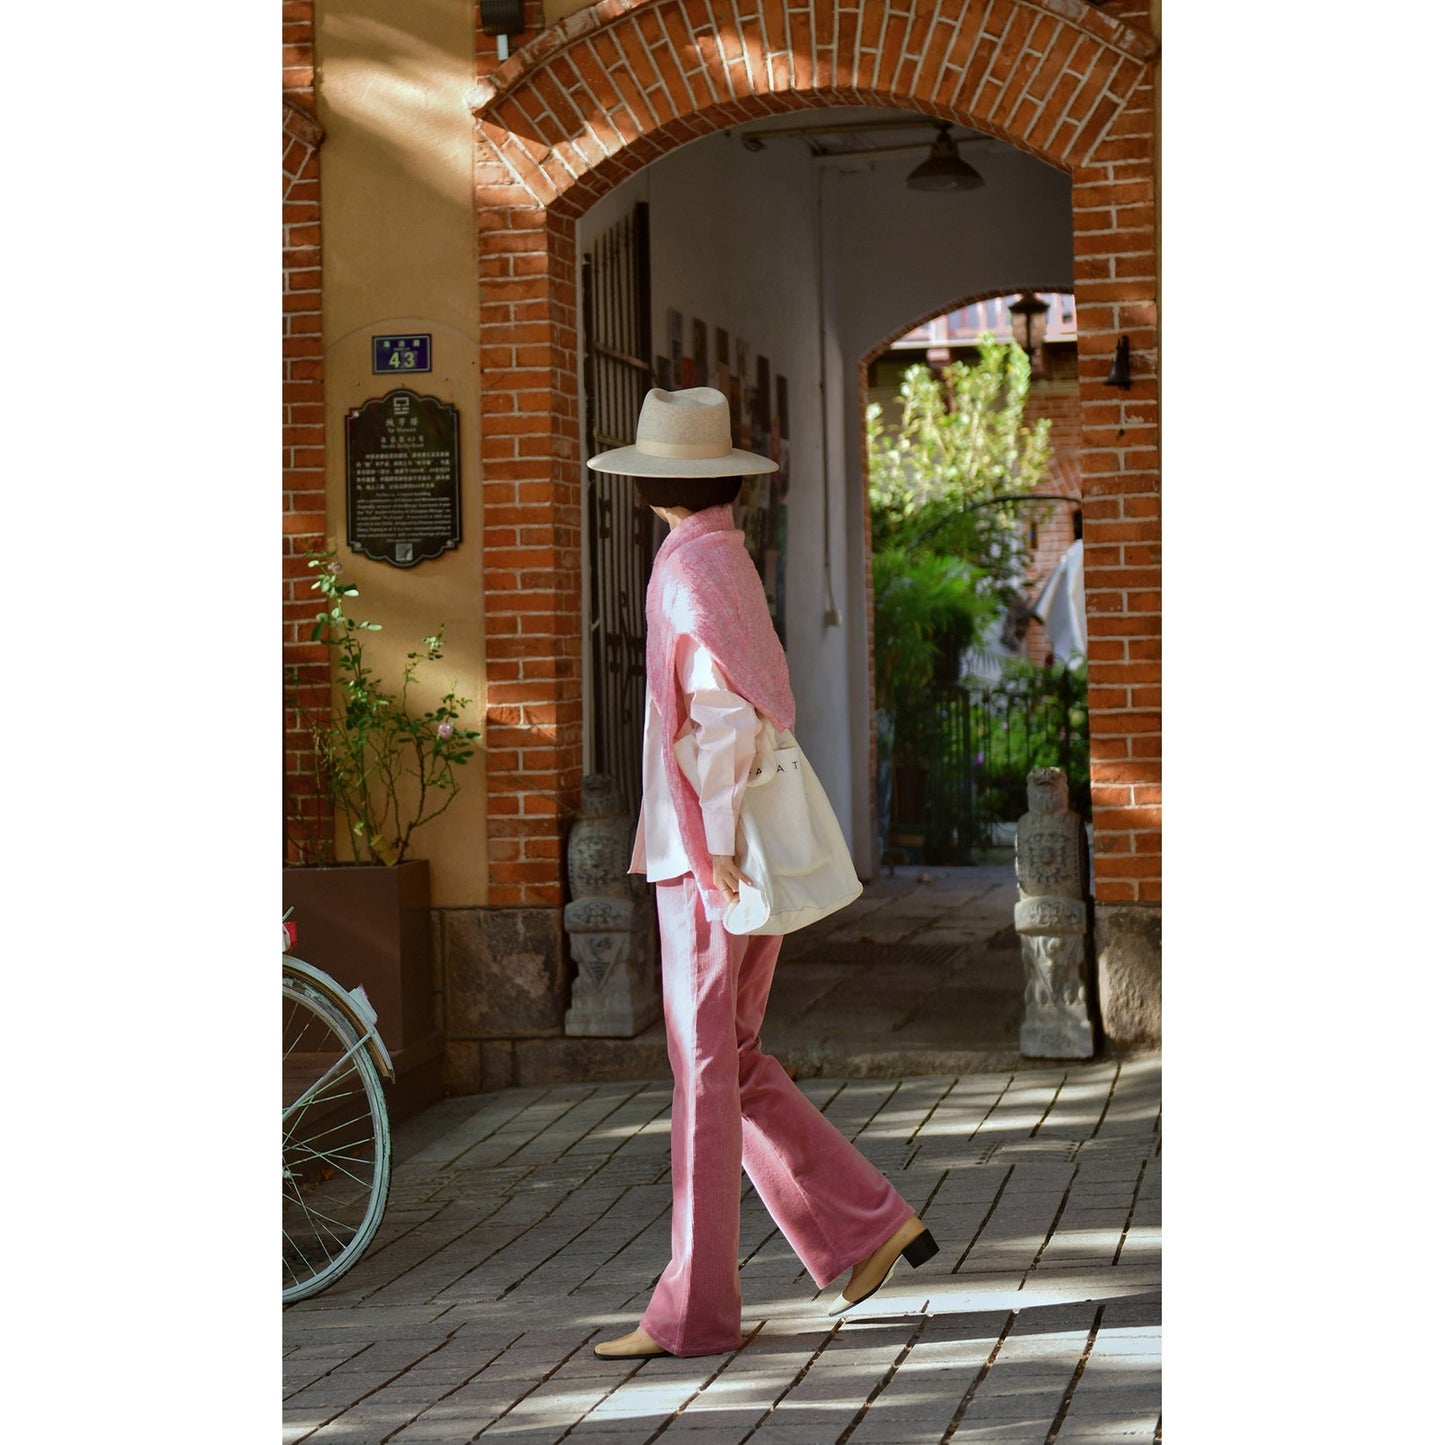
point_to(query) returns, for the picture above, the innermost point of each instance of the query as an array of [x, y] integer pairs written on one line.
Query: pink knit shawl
[[704, 584]]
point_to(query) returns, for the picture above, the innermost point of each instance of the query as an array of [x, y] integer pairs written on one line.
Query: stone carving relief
[[1052, 921], [608, 922]]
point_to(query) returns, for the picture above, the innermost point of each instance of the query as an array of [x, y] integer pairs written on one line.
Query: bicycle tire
[[335, 1144]]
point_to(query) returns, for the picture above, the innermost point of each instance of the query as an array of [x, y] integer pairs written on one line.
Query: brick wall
[[1116, 271], [594, 97], [531, 540], [303, 470]]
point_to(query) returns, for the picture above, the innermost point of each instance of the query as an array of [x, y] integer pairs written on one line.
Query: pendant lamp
[[943, 170]]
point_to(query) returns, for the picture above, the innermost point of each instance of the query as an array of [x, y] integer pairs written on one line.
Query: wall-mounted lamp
[[944, 170], [501, 18], [1030, 316], [1119, 372]]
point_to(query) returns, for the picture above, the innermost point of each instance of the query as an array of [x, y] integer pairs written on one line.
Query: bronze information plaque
[[403, 478]]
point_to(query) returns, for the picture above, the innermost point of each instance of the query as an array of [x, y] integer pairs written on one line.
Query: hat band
[[702, 451]]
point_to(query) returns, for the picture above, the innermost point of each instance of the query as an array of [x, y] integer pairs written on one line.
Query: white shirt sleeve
[[726, 728]]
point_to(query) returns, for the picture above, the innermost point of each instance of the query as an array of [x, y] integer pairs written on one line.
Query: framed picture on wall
[[674, 340], [742, 413], [762, 419], [699, 351]]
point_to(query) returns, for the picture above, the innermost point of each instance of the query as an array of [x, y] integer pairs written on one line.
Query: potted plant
[[387, 767]]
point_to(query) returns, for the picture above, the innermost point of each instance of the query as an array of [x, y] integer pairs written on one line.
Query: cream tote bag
[[791, 844]]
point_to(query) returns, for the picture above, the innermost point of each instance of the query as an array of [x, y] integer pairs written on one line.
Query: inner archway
[[978, 646]]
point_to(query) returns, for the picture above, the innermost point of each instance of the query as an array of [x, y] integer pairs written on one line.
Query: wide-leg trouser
[[734, 1107]]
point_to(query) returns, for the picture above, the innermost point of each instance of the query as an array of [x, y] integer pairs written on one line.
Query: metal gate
[[961, 756], [617, 335]]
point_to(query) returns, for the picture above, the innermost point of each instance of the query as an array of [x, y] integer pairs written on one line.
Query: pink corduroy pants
[[734, 1108]]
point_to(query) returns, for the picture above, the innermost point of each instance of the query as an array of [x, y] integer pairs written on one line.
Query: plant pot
[[370, 925]]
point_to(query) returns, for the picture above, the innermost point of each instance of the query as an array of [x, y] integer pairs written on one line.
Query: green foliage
[[386, 769], [948, 552], [926, 608], [939, 477], [948, 485]]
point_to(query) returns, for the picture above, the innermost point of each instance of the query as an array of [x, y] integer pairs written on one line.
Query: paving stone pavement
[[526, 1224]]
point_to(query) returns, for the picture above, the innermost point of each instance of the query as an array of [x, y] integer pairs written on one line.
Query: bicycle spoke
[[345, 1082], [341, 1063], [350, 1151], [319, 1221], [335, 1146], [340, 1230], [317, 1135], [339, 1162], [332, 1096], [323, 1130], [316, 1216], [307, 1256]]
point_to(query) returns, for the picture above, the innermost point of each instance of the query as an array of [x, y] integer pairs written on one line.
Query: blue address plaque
[[393, 354]]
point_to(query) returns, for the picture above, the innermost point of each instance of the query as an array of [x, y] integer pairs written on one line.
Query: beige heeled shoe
[[911, 1241], [636, 1346]]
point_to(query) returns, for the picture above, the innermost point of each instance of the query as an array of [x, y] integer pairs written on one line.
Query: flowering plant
[[387, 769]]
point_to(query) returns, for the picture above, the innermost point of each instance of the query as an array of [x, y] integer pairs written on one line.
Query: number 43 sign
[[390, 354]]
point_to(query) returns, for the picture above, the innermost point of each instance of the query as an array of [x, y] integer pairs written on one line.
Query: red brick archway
[[599, 95]]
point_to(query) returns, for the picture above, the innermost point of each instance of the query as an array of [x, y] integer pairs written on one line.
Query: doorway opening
[[973, 483]]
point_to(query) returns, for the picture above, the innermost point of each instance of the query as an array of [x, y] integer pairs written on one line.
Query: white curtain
[[1060, 606]]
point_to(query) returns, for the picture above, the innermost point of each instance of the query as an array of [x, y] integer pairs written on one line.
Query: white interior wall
[[898, 257], [734, 243], [734, 238]]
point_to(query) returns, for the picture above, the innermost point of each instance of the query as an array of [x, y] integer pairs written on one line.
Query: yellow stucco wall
[[400, 255]]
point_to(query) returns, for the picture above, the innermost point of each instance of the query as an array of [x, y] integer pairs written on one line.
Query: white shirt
[[725, 726]]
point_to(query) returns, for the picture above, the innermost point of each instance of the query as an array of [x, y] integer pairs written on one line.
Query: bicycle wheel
[[335, 1143]]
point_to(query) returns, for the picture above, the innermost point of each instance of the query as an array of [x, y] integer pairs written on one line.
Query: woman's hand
[[726, 874]]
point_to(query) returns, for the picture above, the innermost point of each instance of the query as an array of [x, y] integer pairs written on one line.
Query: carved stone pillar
[[608, 922], [1052, 921]]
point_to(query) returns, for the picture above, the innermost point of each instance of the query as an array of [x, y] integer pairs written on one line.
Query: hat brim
[[631, 462]]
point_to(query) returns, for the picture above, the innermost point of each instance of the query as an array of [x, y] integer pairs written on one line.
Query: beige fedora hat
[[683, 434]]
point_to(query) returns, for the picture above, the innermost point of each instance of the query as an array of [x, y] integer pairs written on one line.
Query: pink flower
[[444, 730], [334, 568]]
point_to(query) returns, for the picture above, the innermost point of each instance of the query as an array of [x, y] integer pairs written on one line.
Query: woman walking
[[715, 670]]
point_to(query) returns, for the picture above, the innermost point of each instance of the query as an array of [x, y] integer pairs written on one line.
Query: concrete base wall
[[505, 976], [1127, 943], [505, 982]]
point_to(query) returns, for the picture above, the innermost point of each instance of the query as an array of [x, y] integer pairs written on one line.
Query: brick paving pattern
[[527, 1224]]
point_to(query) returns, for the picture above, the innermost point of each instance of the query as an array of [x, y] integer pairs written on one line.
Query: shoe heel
[[921, 1250]]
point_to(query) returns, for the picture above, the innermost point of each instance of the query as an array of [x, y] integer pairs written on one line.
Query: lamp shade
[[943, 170], [1030, 316]]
